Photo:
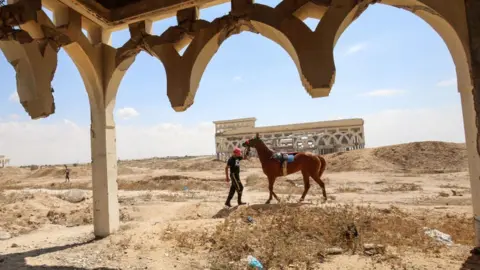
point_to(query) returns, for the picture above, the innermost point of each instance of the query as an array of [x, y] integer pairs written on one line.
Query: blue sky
[[393, 70]]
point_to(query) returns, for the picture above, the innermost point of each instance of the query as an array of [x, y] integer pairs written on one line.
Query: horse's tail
[[323, 166]]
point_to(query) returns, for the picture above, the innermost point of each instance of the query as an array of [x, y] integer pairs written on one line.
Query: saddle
[[284, 159]]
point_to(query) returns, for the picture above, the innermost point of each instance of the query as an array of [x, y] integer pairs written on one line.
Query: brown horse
[[311, 166]]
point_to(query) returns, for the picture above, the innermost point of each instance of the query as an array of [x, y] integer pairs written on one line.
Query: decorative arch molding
[[311, 51], [33, 50], [34, 62]]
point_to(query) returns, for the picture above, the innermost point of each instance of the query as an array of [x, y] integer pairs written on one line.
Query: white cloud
[[447, 83], [384, 93], [127, 113], [356, 48], [410, 125], [67, 142], [14, 97], [238, 78], [14, 116]]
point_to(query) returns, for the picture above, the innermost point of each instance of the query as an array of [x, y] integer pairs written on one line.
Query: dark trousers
[[236, 185]]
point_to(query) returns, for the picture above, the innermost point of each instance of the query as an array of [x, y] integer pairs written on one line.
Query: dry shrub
[[285, 235], [443, 194], [171, 183], [14, 197], [402, 187], [71, 185], [171, 198], [186, 239], [348, 189], [453, 186]]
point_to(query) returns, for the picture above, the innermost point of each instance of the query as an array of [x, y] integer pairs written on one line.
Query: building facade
[[316, 137], [4, 161]]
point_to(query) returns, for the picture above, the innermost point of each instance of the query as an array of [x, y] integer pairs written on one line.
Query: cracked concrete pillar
[[471, 110], [102, 68], [104, 171]]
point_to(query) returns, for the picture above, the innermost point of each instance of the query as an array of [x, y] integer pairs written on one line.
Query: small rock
[[334, 251], [14, 245], [5, 235], [74, 195], [373, 249]]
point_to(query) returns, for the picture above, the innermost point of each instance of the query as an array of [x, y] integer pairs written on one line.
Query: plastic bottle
[[253, 262]]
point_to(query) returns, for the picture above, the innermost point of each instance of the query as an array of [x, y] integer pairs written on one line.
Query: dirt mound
[[23, 212], [185, 164], [417, 157], [59, 172], [172, 183]]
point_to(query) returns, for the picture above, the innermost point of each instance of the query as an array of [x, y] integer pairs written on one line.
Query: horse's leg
[[270, 189], [274, 194], [306, 184], [271, 182], [322, 185]]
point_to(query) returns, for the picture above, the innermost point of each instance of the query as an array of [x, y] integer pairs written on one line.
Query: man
[[67, 174], [233, 164]]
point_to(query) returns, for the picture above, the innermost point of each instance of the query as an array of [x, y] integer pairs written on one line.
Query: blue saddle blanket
[[284, 157]]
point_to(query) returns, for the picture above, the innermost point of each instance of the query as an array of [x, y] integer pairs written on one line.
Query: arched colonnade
[[30, 42]]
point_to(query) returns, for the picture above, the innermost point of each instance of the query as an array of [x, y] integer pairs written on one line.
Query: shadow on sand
[[224, 213], [17, 261]]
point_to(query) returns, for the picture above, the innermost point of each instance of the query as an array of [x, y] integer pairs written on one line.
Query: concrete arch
[[34, 73], [35, 63], [310, 51], [101, 85]]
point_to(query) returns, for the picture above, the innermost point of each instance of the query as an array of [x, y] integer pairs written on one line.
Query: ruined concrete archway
[[33, 50]]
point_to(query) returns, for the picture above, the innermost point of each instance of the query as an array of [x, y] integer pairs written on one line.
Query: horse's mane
[[267, 149]]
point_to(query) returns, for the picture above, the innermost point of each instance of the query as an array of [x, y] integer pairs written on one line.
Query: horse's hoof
[[267, 202]]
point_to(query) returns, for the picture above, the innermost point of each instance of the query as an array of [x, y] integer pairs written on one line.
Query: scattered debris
[[334, 251], [253, 262], [439, 236], [373, 249], [5, 235], [456, 193]]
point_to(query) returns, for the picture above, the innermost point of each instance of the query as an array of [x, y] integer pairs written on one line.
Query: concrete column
[[104, 172], [471, 133], [471, 109]]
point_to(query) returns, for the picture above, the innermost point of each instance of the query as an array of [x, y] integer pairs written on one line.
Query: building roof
[[235, 120], [296, 127]]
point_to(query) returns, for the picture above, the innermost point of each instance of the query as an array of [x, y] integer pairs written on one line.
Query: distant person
[[67, 174], [233, 164]]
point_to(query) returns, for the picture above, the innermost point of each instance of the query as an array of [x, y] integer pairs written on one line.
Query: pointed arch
[[312, 52]]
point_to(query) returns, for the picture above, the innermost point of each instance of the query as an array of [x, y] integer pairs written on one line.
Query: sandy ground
[[172, 214]]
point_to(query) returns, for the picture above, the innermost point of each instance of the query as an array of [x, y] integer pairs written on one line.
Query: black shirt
[[234, 164]]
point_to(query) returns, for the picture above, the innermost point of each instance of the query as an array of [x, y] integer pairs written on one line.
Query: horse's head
[[252, 142]]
